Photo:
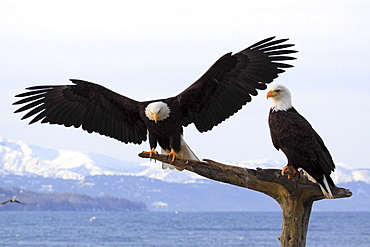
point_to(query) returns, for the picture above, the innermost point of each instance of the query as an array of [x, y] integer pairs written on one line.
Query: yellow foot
[[290, 171], [173, 154], [151, 152]]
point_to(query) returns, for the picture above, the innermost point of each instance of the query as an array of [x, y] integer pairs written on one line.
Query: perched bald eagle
[[300, 143], [227, 85]]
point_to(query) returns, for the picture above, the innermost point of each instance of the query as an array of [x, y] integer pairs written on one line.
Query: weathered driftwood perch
[[294, 197]]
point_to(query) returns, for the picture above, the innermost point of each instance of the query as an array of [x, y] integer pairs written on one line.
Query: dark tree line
[[33, 201]]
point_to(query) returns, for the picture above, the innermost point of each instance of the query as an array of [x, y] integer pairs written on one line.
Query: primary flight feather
[[227, 85]]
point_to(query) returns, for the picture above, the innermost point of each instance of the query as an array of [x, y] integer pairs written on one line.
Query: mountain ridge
[[62, 171], [19, 158]]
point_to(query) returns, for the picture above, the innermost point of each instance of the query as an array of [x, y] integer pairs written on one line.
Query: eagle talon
[[290, 171], [151, 152], [173, 154]]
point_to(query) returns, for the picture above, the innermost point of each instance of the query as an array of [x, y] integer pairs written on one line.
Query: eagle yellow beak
[[155, 117], [271, 93]]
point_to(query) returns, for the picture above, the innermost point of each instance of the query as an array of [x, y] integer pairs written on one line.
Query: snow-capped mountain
[[33, 168], [19, 158]]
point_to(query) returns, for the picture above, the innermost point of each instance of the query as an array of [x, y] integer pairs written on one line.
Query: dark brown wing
[[231, 81], [86, 104], [17, 201], [304, 148]]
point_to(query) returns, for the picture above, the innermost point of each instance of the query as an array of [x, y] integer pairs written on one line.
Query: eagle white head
[[157, 111], [281, 97]]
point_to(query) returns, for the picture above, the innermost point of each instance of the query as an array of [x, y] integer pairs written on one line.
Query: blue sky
[[155, 49]]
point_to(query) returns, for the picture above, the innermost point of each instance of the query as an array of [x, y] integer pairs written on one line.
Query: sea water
[[175, 229]]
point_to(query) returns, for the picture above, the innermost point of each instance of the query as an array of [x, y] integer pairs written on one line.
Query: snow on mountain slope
[[18, 158], [342, 174], [21, 159]]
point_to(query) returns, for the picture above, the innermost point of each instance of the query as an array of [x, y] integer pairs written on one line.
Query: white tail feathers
[[185, 153], [327, 193]]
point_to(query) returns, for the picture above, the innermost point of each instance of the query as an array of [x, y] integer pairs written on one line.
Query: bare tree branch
[[294, 196]]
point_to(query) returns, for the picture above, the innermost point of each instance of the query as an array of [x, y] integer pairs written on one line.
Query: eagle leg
[[151, 152], [173, 154], [290, 171]]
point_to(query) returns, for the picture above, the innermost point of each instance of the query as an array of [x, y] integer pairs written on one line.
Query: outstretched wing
[[86, 104], [231, 81]]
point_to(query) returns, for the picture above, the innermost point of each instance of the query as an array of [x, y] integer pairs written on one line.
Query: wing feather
[[231, 81], [294, 135], [87, 105]]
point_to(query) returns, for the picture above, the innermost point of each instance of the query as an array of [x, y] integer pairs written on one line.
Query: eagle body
[[294, 136], [167, 132], [219, 93]]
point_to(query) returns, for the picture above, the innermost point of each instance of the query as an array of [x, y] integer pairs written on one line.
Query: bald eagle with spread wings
[[222, 91], [300, 143], [13, 200]]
